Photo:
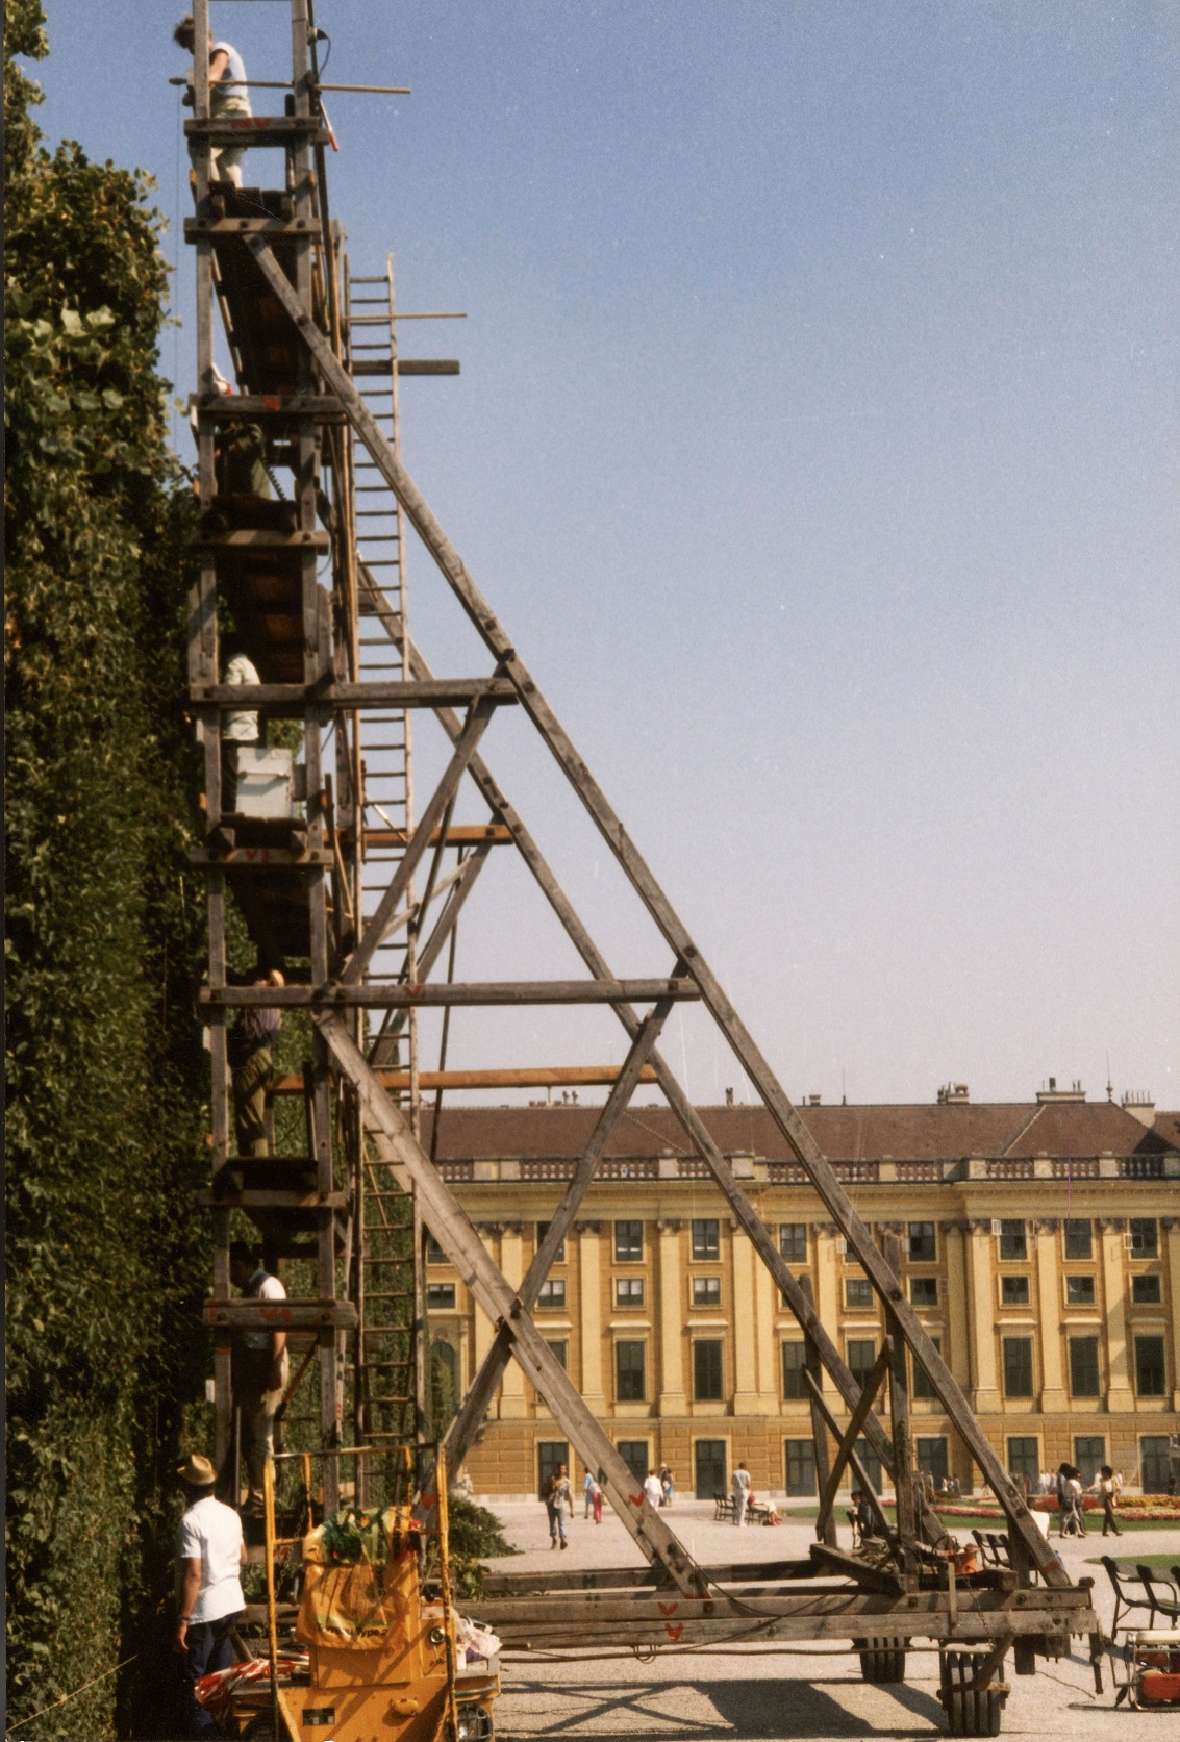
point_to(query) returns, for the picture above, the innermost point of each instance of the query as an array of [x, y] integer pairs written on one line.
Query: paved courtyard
[[761, 1694]]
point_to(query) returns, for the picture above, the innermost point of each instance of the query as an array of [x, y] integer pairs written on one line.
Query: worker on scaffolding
[[228, 95], [252, 1066], [260, 1369]]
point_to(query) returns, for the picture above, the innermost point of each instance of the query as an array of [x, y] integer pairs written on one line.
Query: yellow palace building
[[1040, 1242]]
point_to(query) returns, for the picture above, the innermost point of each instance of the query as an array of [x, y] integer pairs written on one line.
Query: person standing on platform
[[210, 1553], [240, 728], [588, 1487], [653, 1491], [259, 1369], [250, 1046], [741, 1493], [596, 1503], [228, 96]]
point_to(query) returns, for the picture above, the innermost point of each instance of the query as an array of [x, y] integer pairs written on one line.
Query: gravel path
[[766, 1694]]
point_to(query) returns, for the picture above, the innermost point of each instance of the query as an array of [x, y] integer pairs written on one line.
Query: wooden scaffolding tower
[[274, 259]]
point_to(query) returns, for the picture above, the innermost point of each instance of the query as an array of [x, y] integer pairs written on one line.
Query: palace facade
[[1040, 1242]]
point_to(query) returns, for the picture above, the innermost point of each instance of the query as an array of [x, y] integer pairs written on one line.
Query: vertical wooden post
[[819, 1432], [899, 1412]]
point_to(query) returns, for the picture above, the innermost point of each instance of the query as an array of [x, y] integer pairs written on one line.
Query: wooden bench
[[723, 1507]]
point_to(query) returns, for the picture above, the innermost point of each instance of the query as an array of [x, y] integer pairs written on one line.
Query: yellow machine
[[371, 1659]]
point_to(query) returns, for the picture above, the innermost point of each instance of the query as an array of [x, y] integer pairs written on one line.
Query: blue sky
[[816, 440]]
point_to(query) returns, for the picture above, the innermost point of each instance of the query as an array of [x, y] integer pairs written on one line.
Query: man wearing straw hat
[[210, 1553]]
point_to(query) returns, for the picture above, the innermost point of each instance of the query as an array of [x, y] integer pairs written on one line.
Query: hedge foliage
[[105, 1248]]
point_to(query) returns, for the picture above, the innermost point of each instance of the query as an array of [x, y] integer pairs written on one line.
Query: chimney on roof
[[729, 1097], [954, 1094], [815, 1100], [1140, 1104], [1055, 1095]]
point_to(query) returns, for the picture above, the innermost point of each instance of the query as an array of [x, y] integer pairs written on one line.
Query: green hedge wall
[[106, 1252]]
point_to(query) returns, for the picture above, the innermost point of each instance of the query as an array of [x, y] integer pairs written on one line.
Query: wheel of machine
[[970, 1711], [882, 1660]]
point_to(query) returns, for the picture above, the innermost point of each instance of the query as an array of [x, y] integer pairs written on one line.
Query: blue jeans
[[556, 1523], [208, 1649]]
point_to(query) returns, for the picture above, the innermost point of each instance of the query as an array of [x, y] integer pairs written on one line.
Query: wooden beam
[[458, 835], [508, 1077], [435, 813], [483, 1387], [694, 1127], [452, 1228], [281, 1315], [475, 992], [295, 697], [639, 874], [852, 1433], [819, 1404]]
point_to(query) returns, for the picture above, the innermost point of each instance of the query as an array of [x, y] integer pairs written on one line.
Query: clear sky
[[816, 441]]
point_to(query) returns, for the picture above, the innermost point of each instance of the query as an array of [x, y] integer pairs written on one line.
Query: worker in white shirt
[[210, 1554]]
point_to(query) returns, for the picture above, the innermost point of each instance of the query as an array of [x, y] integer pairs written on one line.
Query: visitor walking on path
[[741, 1493], [1107, 1492], [596, 1503], [588, 1487], [558, 1495]]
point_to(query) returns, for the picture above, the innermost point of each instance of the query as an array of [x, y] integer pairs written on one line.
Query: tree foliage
[[105, 1248]]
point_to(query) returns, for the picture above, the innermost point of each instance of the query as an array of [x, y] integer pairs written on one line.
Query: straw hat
[[196, 1471]]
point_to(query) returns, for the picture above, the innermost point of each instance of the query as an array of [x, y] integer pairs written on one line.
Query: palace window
[[542, 1230], [794, 1367], [921, 1381], [628, 1242], [1013, 1240], [1079, 1291], [629, 1291], [1079, 1239], [440, 1296], [858, 1292], [707, 1370], [1149, 1366], [552, 1293], [1014, 1291], [1145, 1290], [631, 1369], [792, 1241], [862, 1355], [1083, 1366], [920, 1244], [706, 1291], [1018, 1366], [706, 1238], [1145, 1237], [923, 1291]]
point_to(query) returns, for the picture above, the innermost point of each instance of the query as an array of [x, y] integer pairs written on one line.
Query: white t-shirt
[[241, 727], [212, 1533], [234, 95], [651, 1488], [741, 1481], [262, 1286]]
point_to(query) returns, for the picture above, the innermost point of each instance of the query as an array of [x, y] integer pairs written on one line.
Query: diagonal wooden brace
[[820, 1405], [483, 1387], [694, 1127], [852, 1433], [793, 1128], [450, 1225], [387, 907]]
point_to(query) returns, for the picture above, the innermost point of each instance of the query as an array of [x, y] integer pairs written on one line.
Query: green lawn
[[1162, 1563]]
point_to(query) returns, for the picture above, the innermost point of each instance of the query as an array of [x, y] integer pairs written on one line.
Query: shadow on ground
[[754, 1711]]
